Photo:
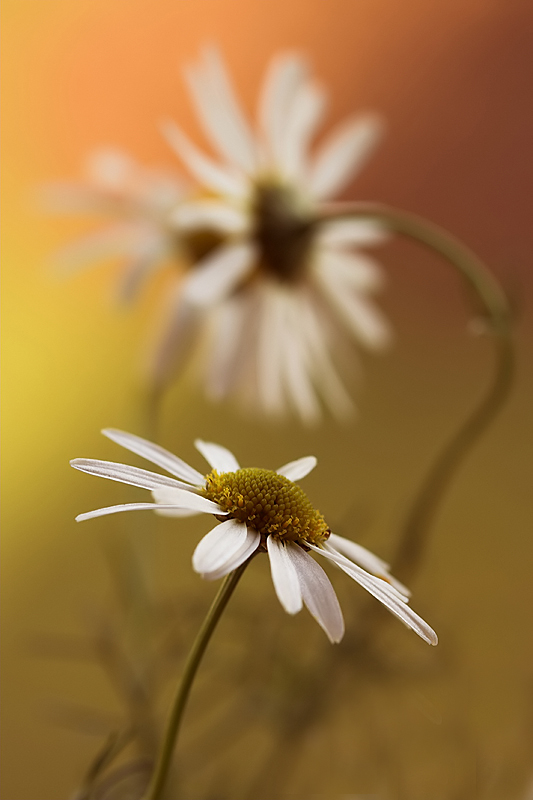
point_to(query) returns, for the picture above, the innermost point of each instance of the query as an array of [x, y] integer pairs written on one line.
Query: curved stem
[[496, 313], [194, 658], [425, 504]]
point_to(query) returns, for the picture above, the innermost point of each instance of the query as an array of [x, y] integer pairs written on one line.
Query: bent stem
[[209, 624], [491, 300]]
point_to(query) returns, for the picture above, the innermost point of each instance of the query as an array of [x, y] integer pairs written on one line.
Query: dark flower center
[[284, 230], [199, 243]]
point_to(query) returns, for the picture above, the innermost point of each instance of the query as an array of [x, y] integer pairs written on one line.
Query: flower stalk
[[159, 777], [492, 301]]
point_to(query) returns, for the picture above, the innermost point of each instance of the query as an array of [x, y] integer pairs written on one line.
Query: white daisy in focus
[[135, 201], [258, 510], [285, 292]]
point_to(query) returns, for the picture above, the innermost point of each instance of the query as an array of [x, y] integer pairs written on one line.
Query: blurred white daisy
[[258, 510], [135, 201], [286, 291]]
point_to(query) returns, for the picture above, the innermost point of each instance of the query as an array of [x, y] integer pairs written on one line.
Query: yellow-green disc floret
[[270, 503]]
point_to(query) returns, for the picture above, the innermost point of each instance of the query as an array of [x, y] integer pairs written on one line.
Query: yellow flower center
[[270, 503]]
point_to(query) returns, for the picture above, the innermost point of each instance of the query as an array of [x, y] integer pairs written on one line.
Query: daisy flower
[[258, 510], [137, 200], [286, 291]]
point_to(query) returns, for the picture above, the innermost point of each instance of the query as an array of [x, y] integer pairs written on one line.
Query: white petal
[[217, 457], [182, 323], [363, 577], [173, 511], [242, 381], [249, 546], [218, 274], [365, 321], [115, 241], [270, 351], [182, 498], [101, 512], [73, 198], [299, 384], [166, 504], [220, 112], [317, 592], [284, 576], [226, 337], [218, 546], [306, 113], [366, 559], [352, 232], [207, 172], [284, 77], [123, 473], [314, 332], [382, 591], [143, 263], [209, 214], [351, 271], [295, 470], [297, 366], [156, 454], [110, 168], [343, 154]]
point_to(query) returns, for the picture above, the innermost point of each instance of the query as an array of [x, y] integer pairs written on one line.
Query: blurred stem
[[194, 658], [115, 743], [492, 301]]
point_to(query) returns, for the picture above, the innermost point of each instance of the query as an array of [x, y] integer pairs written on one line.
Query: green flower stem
[[209, 624], [490, 299]]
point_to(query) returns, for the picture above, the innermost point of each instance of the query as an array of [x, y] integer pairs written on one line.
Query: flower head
[[268, 296], [258, 510], [135, 202], [285, 290]]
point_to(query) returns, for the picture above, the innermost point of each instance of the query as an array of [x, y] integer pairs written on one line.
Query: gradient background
[[453, 80]]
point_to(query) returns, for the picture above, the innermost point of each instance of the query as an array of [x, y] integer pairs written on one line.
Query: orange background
[[453, 81]]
